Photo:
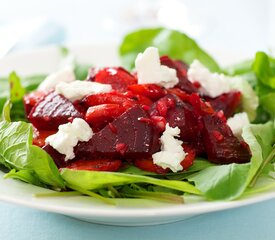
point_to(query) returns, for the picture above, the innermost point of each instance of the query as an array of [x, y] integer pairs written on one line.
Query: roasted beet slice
[[118, 77], [99, 116], [31, 99], [51, 111], [108, 98], [190, 157], [151, 91], [128, 137], [40, 137], [221, 145], [181, 68], [149, 166], [179, 114], [227, 102], [58, 158], [109, 165]]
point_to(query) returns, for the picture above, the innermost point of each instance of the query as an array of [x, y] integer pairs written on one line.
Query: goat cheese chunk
[[172, 153], [211, 84], [68, 136], [66, 74], [237, 123], [76, 90], [150, 70]]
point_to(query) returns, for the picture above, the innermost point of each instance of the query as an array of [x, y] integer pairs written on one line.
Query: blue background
[[250, 222]]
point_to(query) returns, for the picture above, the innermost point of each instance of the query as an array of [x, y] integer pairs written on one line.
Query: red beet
[[109, 98], [151, 91], [99, 116], [31, 99], [110, 165], [180, 114], [51, 111], [149, 166], [118, 77], [221, 145], [227, 102], [181, 68], [139, 138]]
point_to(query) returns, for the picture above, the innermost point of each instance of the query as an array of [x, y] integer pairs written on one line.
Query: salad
[[168, 123]]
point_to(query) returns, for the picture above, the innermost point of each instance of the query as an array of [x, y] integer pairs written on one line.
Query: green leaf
[[17, 151], [17, 92], [91, 180], [15, 138], [81, 71], [250, 100], [6, 111], [240, 68], [27, 176], [224, 182], [169, 42], [263, 69], [227, 182], [44, 167]]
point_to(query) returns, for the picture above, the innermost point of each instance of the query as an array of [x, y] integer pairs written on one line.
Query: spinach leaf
[[17, 151], [27, 176], [91, 180], [264, 69], [227, 182], [169, 42]]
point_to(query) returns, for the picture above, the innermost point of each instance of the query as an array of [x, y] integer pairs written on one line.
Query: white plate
[[126, 212]]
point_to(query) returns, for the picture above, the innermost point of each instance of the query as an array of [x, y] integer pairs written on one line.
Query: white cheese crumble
[[172, 153], [237, 123], [211, 84], [68, 136], [66, 74], [150, 70], [76, 90]]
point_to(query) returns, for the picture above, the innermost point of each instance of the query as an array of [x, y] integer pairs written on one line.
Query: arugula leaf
[[169, 42], [264, 69], [128, 191], [17, 151], [228, 182], [91, 180]]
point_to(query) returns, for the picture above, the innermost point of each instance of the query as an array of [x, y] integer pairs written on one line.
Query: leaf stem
[[57, 194], [269, 158], [91, 194]]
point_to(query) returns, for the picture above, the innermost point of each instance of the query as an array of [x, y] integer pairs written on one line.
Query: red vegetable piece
[[227, 102], [140, 138], [140, 99], [221, 145], [108, 98], [190, 157], [99, 116], [118, 77], [151, 91], [179, 93], [51, 111], [109, 165], [40, 137], [149, 166], [181, 69], [31, 99]]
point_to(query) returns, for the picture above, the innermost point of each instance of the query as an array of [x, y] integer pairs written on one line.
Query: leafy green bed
[[24, 161]]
